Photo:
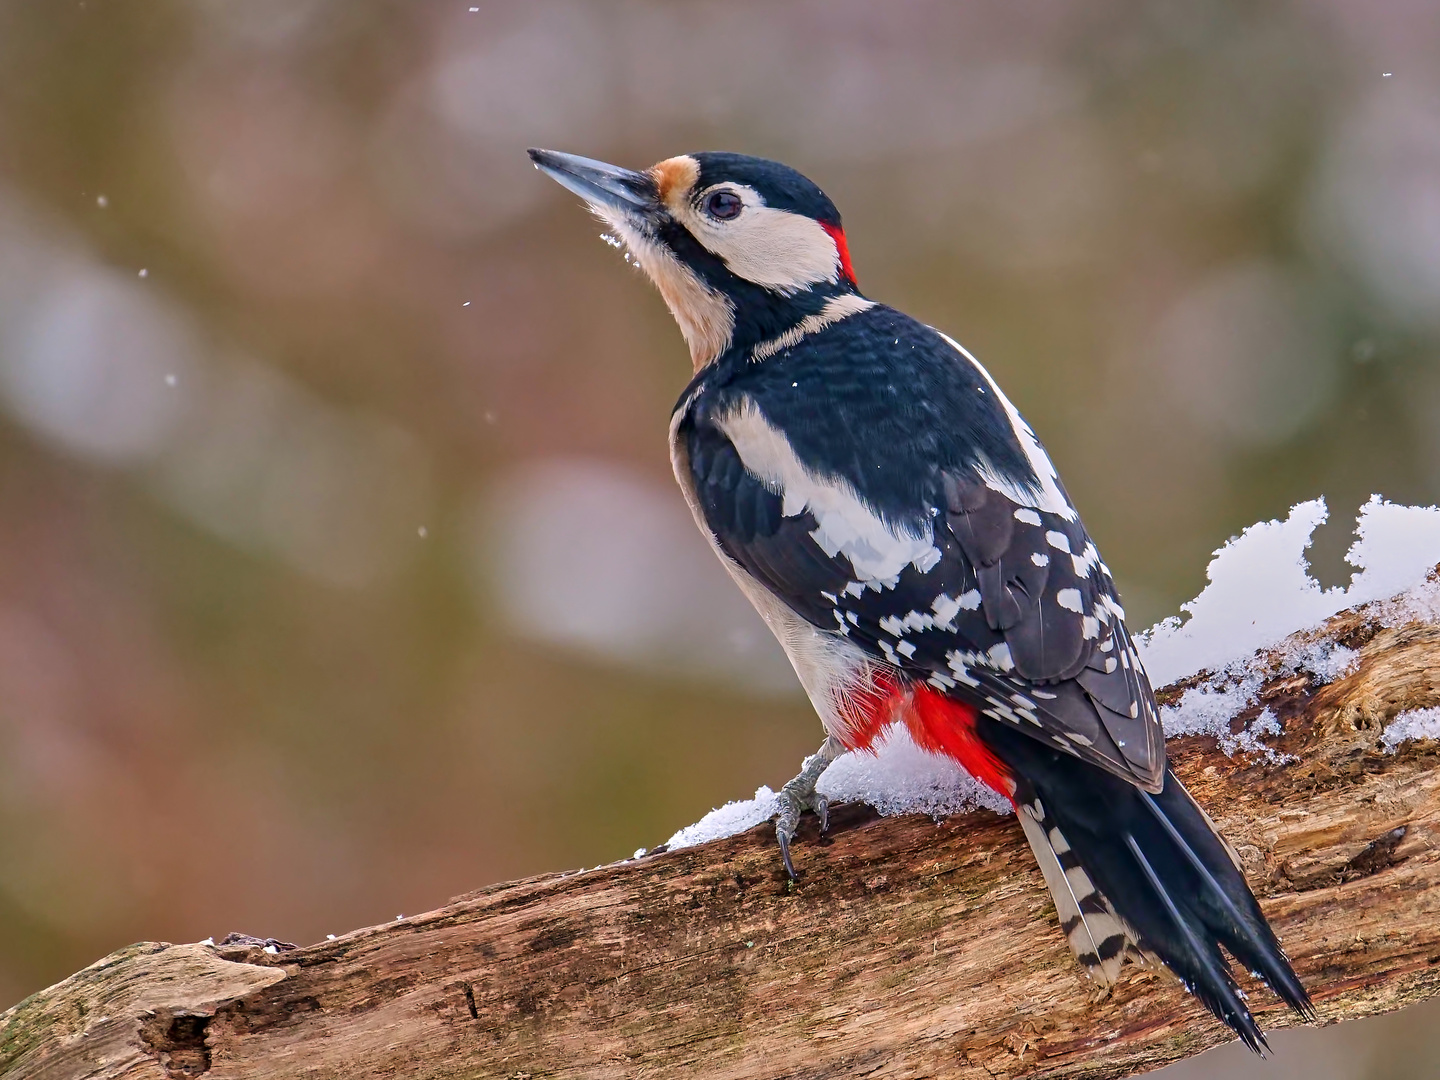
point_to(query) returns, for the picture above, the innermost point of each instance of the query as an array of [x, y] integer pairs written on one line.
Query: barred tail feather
[[1097, 936], [1134, 873]]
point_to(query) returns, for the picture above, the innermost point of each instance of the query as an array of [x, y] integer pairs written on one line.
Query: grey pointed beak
[[599, 184]]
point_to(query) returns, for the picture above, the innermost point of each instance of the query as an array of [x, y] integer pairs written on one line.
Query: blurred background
[[341, 570]]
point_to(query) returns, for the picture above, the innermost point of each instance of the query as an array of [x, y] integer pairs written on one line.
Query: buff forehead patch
[[675, 178]]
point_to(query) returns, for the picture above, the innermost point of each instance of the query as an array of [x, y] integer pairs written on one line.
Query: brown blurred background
[[340, 566]]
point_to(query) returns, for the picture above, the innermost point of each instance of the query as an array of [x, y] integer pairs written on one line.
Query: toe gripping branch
[[800, 795]]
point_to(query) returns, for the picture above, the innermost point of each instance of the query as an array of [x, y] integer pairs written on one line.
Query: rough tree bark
[[908, 949]]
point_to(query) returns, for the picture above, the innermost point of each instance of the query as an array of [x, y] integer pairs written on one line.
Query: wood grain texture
[[908, 949]]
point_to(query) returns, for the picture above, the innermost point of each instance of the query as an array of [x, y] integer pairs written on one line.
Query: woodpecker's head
[[742, 249]]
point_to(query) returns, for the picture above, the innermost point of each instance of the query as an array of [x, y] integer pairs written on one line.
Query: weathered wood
[[908, 949]]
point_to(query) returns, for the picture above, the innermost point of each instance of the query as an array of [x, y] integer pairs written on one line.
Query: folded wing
[[988, 596]]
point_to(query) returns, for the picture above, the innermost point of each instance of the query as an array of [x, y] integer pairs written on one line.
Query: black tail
[[1158, 863]]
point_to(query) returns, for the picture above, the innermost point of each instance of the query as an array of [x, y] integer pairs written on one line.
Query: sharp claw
[[785, 854], [800, 795]]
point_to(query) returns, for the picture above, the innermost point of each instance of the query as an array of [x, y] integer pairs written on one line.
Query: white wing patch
[[838, 676], [1020, 490], [845, 525]]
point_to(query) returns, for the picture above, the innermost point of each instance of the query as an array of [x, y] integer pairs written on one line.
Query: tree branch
[[908, 948]]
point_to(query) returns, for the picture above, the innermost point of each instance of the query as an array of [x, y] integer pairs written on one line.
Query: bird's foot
[[793, 802], [800, 795]]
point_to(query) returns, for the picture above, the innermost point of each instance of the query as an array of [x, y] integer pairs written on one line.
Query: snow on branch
[[1260, 592]]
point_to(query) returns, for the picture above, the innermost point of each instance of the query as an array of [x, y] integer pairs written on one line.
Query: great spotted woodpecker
[[903, 533]]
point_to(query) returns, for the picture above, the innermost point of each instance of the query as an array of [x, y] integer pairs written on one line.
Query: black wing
[[1011, 610]]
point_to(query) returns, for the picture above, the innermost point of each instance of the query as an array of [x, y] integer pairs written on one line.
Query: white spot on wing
[[917, 620], [1069, 599], [1085, 562], [957, 660], [945, 609], [999, 656]]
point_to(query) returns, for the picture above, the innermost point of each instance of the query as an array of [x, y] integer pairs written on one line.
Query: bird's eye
[[723, 205]]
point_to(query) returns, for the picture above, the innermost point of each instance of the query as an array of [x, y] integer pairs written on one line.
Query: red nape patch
[[945, 726], [843, 248]]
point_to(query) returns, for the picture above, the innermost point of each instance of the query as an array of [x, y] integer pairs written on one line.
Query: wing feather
[[1000, 601]]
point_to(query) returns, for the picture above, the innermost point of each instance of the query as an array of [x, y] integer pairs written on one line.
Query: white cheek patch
[[1019, 489], [774, 248], [845, 525]]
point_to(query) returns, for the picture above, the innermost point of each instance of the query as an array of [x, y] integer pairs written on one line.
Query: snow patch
[[1326, 660], [898, 778], [1209, 708], [733, 817], [901, 778], [1410, 726], [1261, 590], [1267, 723]]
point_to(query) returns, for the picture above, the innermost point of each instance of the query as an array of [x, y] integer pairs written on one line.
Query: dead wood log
[[909, 948]]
